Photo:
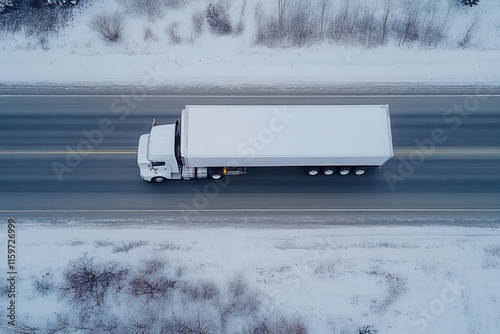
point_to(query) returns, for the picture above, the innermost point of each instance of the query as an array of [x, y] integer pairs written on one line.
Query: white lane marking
[[257, 210], [447, 151]]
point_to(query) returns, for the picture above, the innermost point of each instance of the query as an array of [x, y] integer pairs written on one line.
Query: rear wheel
[[216, 176], [344, 170], [312, 171], [359, 171], [328, 170], [158, 179]]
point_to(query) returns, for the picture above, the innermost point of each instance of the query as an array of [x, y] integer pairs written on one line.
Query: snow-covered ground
[[398, 279], [77, 54]]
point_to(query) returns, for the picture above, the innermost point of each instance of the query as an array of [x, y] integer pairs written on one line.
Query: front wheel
[[158, 179]]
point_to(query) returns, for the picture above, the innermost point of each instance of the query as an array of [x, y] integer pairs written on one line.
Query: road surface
[[447, 160]]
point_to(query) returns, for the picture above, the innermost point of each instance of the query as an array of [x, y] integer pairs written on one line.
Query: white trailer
[[217, 140]]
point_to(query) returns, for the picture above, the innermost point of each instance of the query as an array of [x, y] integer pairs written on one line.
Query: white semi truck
[[212, 141]]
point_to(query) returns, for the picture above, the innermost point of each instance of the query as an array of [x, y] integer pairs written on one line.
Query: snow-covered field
[[78, 54], [397, 279]]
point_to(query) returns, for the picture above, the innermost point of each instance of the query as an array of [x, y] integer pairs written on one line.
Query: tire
[[313, 171], [344, 170], [216, 176], [359, 171], [328, 170], [158, 179]]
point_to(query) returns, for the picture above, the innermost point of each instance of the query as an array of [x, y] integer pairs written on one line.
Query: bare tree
[[282, 6], [430, 31], [324, 11], [465, 42], [258, 13], [299, 26], [385, 20], [409, 30]]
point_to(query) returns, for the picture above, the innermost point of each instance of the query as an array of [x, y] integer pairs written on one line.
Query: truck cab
[[156, 154]]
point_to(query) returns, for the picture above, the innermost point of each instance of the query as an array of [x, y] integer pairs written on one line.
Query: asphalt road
[[456, 167]]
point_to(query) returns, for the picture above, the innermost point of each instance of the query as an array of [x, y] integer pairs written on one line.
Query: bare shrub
[[61, 324], [151, 9], [43, 285], [97, 320], [149, 35], [173, 34], [76, 242], [367, 329], [153, 265], [146, 322], [110, 26], [197, 20], [268, 33], [201, 290], [152, 287], [493, 250], [237, 286], [129, 245], [86, 281], [102, 243], [218, 18], [277, 324], [180, 270], [24, 328], [240, 27], [197, 321], [169, 246], [239, 300]]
